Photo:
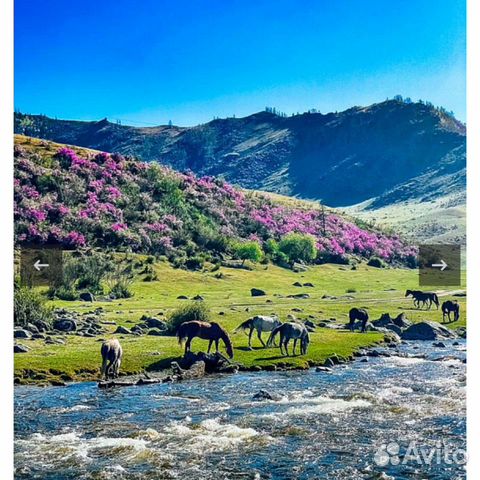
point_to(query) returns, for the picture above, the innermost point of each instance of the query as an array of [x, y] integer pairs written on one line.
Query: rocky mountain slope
[[389, 153]]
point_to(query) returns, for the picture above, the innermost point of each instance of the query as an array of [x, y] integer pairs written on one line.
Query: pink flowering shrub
[[112, 201]]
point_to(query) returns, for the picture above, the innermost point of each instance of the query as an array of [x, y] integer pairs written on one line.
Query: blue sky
[[150, 61]]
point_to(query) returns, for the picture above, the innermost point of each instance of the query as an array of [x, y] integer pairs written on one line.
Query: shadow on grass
[[248, 349], [162, 364]]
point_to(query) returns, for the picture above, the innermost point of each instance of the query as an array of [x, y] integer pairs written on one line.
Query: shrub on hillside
[[187, 313], [248, 251], [298, 247], [30, 306], [376, 262]]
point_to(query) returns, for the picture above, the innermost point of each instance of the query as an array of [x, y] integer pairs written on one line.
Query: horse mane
[[274, 334]]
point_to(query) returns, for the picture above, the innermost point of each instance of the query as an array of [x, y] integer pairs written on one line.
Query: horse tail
[[104, 352], [272, 336], [243, 326]]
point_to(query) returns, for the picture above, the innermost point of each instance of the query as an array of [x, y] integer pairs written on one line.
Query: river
[[326, 425]]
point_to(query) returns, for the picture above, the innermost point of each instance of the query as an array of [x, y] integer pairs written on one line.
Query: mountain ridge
[[384, 154]]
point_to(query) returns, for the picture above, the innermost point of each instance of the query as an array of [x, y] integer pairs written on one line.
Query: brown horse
[[207, 331]]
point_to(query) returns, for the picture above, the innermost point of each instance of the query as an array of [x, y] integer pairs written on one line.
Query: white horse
[[111, 358], [260, 323]]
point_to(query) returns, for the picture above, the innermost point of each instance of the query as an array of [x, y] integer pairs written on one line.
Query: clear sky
[[151, 61]]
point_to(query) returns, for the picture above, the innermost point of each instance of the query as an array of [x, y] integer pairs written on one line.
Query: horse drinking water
[[357, 314], [260, 323], [288, 331], [111, 358], [206, 331]]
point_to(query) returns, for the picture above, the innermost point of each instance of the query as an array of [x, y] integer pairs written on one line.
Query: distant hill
[[389, 153]]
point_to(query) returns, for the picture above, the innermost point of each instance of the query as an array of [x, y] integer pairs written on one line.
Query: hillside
[[341, 158], [79, 198]]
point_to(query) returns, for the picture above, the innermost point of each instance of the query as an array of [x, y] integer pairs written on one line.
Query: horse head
[[408, 292]]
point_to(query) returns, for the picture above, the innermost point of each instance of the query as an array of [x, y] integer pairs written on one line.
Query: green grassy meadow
[[227, 290]]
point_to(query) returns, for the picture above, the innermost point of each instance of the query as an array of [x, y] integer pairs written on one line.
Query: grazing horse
[[448, 307], [206, 331], [357, 314], [290, 330], [111, 358], [260, 323]]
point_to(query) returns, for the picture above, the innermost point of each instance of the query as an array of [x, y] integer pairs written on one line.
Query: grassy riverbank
[[228, 290]]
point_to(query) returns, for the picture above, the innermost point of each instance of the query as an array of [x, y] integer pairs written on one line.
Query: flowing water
[[326, 426]]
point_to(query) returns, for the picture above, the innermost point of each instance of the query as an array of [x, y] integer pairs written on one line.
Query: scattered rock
[[323, 369], [18, 348], [439, 344], [87, 297], [153, 322], [308, 284], [21, 333], [310, 324], [65, 324], [266, 395], [257, 292], [401, 321], [123, 330], [296, 284], [299, 296], [155, 331], [198, 298], [461, 332], [427, 331], [182, 297], [297, 310]]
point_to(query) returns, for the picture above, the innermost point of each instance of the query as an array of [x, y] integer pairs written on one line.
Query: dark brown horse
[[448, 307], [206, 331], [357, 314]]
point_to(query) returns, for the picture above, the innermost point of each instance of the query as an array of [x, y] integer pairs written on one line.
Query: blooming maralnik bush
[[112, 201]]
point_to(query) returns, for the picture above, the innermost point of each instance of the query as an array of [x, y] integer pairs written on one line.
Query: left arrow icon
[[38, 265]]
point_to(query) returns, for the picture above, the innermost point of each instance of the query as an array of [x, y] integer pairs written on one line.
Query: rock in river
[[266, 395], [427, 331]]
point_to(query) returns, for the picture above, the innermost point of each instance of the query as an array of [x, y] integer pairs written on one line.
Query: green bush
[[65, 293], [270, 247], [187, 313], [298, 247], [121, 289], [30, 306], [194, 263], [248, 251], [376, 262]]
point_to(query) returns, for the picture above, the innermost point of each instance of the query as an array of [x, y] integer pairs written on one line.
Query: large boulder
[[123, 330], [257, 292], [299, 295], [65, 324], [153, 322], [383, 321], [401, 321], [87, 297], [21, 333], [427, 331]]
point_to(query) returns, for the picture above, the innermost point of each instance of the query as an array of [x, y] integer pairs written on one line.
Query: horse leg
[[187, 345], [294, 346], [286, 346], [216, 345], [364, 324], [259, 335], [282, 340], [209, 345], [250, 338]]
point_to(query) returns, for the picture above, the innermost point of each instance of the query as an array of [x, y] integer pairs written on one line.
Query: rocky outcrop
[[427, 331]]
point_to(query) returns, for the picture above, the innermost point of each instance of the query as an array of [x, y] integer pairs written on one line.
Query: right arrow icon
[[442, 265]]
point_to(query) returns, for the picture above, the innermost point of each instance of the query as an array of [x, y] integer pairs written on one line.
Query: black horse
[[357, 314], [449, 307], [427, 298]]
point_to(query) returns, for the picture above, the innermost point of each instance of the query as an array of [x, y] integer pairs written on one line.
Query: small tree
[[248, 251], [298, 247]]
